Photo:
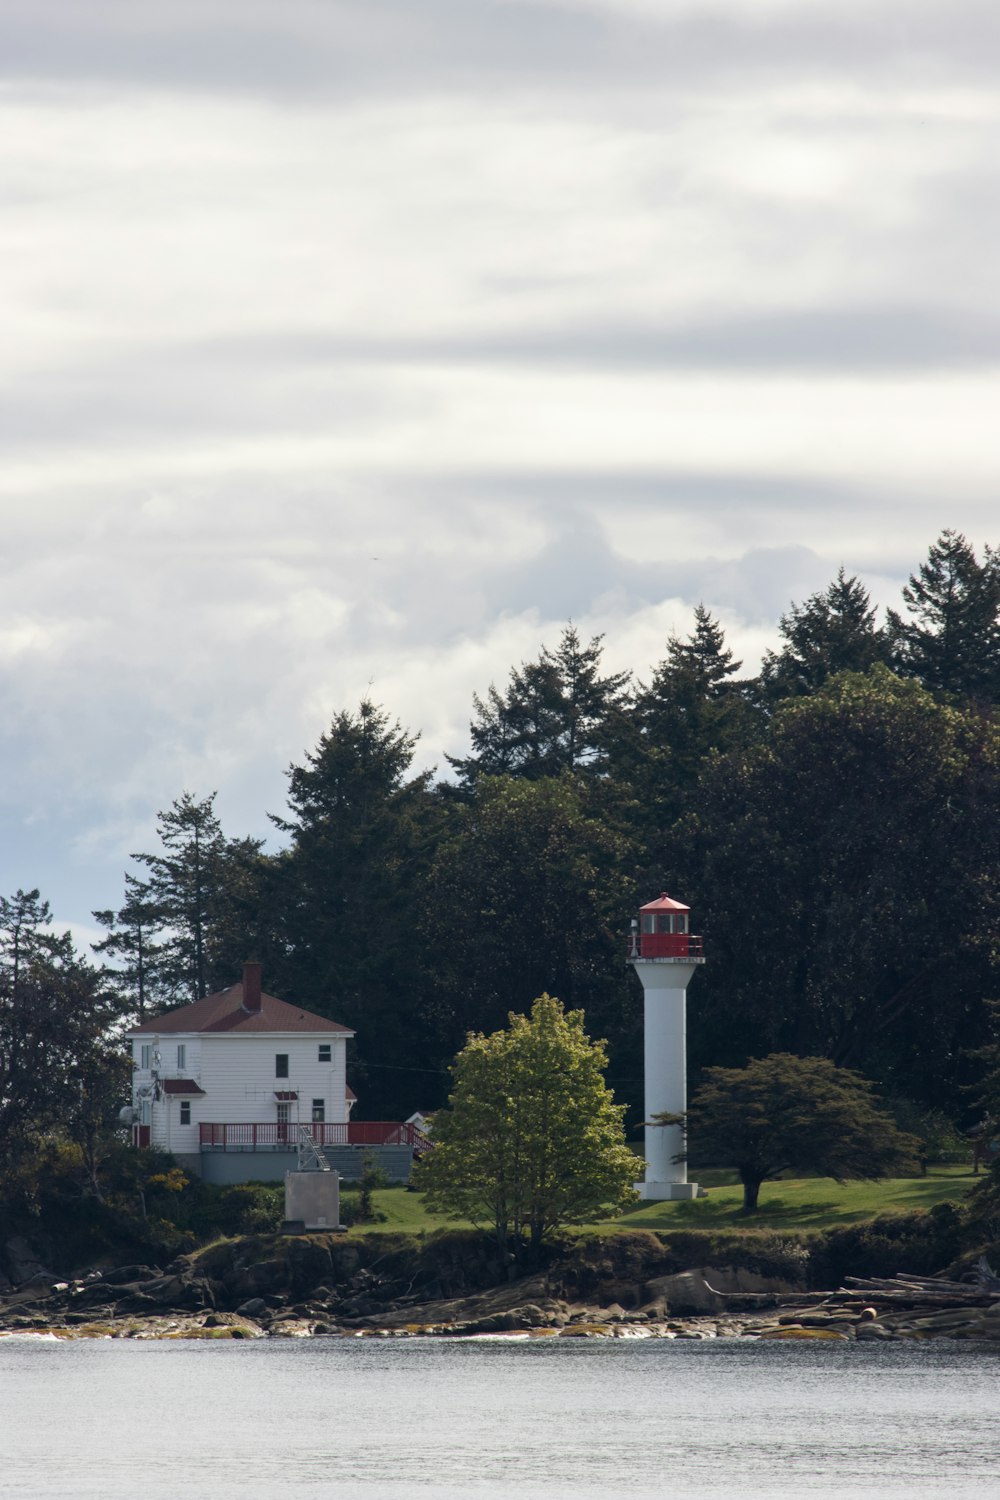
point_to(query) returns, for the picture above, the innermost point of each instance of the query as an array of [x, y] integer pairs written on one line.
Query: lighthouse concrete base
[[663, 1192]]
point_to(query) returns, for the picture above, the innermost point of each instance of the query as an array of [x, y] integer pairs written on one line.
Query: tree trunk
[[751, 1192]]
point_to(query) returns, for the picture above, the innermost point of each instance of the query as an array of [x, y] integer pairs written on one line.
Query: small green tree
[[532, 1138], [794, 1114]]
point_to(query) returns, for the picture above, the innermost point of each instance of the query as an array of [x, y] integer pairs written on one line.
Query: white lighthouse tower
[[665, 956]]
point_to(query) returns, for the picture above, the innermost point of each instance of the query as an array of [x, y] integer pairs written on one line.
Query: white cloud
[[355, 347]]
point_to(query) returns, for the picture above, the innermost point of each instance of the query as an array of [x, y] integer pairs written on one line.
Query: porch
[[272, 1135]]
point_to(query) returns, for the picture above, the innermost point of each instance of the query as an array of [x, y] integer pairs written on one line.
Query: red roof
[[664, 903], [181, 1086], [224, 1012]]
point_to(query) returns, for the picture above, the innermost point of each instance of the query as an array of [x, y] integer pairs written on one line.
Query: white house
[[228, 1083]]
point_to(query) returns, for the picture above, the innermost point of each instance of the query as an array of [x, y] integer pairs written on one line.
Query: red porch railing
[[272, 1134]]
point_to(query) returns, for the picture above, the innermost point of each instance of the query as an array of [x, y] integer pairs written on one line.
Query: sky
[[352, 347]]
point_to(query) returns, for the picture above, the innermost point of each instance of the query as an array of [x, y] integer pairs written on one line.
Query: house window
[[185, 1112], [325, 1052], [146, 1111], [319, 1111], [181, 1057], [145, 1054], [281, 1065]]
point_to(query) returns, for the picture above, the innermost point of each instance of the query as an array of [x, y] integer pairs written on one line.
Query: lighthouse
[[665, 955]]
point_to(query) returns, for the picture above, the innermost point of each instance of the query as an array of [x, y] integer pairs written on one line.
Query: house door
[[283, 1122]]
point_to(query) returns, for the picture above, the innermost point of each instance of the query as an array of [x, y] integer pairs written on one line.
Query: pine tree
[[22, 942], [131, 940], [186, 891], [549, 719], [693, 708], [56, 1018], [348, 891], [951, 642], [833, 631]]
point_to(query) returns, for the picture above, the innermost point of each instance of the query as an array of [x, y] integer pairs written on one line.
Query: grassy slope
[[804, 1203], [793, 1204]]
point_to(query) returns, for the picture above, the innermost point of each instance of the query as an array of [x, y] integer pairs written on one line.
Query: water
[[433, 1420]]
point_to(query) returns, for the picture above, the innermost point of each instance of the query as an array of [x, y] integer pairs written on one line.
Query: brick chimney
[[251, 989]]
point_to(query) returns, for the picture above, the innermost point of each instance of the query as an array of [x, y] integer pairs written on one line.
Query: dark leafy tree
[[794, 1114], [549, 718], [102, 1083], [834, 631], [527, 895], [845, 875], [951, 640]]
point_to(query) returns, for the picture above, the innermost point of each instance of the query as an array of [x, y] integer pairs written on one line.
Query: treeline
[[834, 822]]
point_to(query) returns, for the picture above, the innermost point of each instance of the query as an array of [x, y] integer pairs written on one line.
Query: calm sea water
[[443, 1421]]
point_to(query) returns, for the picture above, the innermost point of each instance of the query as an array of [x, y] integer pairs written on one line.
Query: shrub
[[921, 1243]]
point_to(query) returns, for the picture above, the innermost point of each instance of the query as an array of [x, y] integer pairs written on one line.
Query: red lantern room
[[663, 931]]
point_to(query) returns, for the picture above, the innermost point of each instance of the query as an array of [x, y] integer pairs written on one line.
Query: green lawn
[[803, 1202], [795, 1203]]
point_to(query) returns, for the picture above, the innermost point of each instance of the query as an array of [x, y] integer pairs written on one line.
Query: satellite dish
[[127, 1115]]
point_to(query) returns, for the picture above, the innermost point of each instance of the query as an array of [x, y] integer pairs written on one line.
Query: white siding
[[240, 1083]]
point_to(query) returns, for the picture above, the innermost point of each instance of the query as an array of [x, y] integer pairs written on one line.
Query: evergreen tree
[[834, 631], [550, 717], [951, 642], [131, 940], [693, 708], [55, 1026], [348, 889], [526, 894], [186, 892], [794, 1114], [22, 940]]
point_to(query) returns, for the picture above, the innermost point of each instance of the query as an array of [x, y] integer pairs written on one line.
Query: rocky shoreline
[[323, 1289]]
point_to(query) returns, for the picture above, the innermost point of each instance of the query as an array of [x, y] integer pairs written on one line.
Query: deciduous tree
[[532, 1137], [845, 876], [526, 894]]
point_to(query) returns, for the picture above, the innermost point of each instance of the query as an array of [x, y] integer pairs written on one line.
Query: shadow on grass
[[770, 1212]]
